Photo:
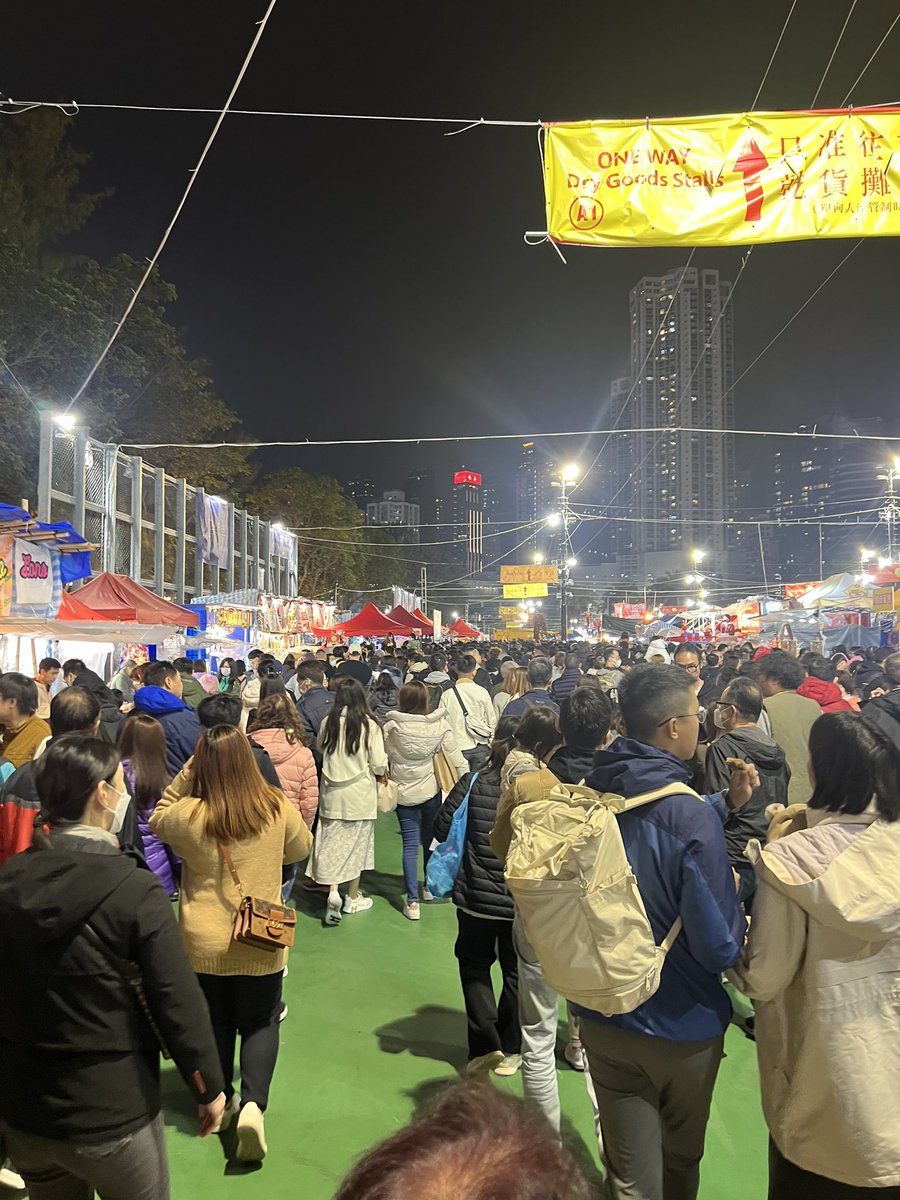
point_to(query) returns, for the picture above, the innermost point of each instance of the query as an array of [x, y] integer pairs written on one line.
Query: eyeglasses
[[681, 717], [692, 666]]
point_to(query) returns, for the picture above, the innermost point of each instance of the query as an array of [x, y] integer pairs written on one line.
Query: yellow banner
[[533, 574], [512, 613], [724, 180], [512, 633], [885, 599], [524, 591]]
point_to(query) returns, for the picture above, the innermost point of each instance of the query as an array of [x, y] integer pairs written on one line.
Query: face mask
[[719, 717], [225, 672], [119, 811]]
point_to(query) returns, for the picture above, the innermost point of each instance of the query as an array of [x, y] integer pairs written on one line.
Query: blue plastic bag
[[446, 859]]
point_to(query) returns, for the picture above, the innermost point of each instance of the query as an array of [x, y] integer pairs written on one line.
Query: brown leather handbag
[[260, 923]]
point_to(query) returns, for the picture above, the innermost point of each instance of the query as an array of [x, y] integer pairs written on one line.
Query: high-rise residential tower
[[678, 487], [468, 519]]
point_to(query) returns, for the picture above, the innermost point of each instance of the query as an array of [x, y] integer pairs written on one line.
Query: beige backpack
[[578, 898]]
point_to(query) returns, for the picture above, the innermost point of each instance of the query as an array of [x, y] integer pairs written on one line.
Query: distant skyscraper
[[682, 364], [533, 498], [395, 512], [420, 490], [468, 518]]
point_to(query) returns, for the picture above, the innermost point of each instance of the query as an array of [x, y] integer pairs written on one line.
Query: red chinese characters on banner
[[793, 591]]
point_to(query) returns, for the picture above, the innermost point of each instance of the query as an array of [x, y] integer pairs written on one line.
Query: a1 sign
[[533, 574]]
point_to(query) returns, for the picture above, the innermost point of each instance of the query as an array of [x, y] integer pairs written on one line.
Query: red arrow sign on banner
[[751, 165]]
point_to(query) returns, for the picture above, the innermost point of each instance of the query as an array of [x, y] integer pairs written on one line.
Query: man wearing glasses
[[654, 1068]]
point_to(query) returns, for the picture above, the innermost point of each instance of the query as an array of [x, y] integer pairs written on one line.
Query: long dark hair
[[278, 712], [68, 772], [272, 685], [349, 702], [385, 684], [142, 745], [538, 731], [503, 741]]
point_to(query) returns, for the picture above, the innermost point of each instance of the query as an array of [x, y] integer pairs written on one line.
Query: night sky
[[370, 280]]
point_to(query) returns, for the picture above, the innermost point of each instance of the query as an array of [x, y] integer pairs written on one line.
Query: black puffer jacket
[[480, 886], [883, 711], [111, 720], [80, 1062]]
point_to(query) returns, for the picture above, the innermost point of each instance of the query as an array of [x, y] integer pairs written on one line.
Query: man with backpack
[[636, 918], [654, 1068]]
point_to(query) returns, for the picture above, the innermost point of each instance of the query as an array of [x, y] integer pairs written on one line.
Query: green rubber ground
[[375, 1026]]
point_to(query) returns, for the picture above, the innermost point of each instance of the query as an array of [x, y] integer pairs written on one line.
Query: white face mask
[[225, 672], [719, 719], [121, 808]]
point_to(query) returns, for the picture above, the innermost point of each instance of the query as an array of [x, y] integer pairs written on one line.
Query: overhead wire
[[890, 30], [834, 52], [151, 262]]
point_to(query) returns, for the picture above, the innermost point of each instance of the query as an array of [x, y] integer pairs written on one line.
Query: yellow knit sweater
[[209, 898]]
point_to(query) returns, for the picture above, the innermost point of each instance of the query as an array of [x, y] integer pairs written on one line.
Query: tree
[[57, 312], [335, 550]]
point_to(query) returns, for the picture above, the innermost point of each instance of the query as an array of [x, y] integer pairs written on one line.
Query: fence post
[[200, 494], [180, 537], [110, 464], [137, 492], [242, 549], [159, 528], [45, 468], [229, 569]]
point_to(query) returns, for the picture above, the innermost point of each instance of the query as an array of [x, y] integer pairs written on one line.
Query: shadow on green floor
[[432, 1031]]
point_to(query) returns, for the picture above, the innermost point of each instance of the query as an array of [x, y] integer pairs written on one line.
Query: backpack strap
[[671, 789], [666, 944]]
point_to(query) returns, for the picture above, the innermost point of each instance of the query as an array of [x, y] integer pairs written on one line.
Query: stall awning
[[118, 598], [371, 622]]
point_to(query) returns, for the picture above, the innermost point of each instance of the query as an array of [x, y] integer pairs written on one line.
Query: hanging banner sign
[[34, 574], [885, 599], [793, 591], [524, 591], [534, 574], [511, 614], [6, 575], [724, 180], [629, 611]]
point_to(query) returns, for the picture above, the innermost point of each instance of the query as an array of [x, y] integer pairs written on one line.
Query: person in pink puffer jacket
[[278, 729]]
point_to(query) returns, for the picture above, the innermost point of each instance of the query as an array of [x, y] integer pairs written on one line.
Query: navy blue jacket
[[520, 706], [566, 684], [676, 848], [179, 722]]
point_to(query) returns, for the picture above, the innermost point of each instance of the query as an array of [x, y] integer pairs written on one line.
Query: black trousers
[[788, 1182], [247, 1005], [480, 943]]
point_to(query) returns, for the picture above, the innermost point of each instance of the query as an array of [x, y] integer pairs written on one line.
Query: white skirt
[[342, 850]]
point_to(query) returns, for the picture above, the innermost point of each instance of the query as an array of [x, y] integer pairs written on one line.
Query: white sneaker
[[508, 1065], [360, 904], [333, 909], [427, 896], [575, 1057], [411, 910], [232, 1108], [283, 1013], [484, 1062], [11, 1179], [251, 1134]]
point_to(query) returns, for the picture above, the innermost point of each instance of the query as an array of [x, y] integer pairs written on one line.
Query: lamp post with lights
[[566, 560]]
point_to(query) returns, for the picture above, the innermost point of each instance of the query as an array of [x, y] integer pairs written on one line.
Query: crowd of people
[[757, 796]]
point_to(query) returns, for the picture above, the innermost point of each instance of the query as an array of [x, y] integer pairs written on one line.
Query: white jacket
[[823, 963], [348, 790], [477, 728], [411, 741]]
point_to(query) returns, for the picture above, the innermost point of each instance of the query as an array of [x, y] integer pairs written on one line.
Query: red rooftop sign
[[471, 477]]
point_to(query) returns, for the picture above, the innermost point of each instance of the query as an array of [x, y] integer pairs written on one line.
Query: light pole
[[891, 511], [567, 476]]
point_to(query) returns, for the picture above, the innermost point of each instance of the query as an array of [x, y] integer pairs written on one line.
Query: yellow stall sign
[[532, 574], [524, 591], [724, 180]]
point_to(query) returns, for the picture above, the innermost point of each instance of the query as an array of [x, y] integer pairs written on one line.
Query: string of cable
[[192, 179]]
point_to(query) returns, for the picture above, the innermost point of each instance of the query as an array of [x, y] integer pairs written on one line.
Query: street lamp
[[567, 476], [553, 519], [538, 558], [66, 420], [569, 473], [697, 556], [891, 511]]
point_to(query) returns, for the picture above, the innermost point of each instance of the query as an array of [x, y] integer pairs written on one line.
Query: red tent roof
[[118, 598], [410, 620], [427, 621], [71, 609], [371, 622], [461, 630]]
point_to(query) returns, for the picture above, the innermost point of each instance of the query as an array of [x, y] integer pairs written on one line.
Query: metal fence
[[146, 525]]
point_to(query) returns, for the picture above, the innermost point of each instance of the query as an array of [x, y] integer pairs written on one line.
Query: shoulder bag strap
[[460, 699], [229, 863], [130, 974]]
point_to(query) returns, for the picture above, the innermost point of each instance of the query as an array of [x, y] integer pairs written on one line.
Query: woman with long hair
[[484, 914], [229, 676], [220, 801], [822, 964], [276, 726], [353, 762], [514, 685], [142, 745], [412, 737], [79, 1088]]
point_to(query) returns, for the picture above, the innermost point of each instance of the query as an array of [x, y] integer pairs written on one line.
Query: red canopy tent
[[461, 630], [427, 622], [118, 598], [413, 623], [371, 622], [71, 609]]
